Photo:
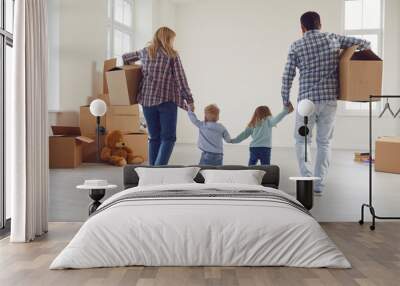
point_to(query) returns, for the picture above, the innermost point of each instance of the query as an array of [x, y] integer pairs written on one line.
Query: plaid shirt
[[163, 80], [316, 55]]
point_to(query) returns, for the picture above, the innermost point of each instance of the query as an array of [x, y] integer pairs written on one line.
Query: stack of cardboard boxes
[[120, 89], [361, 76]]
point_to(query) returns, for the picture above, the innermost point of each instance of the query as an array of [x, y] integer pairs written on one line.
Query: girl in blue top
[[260, 129]]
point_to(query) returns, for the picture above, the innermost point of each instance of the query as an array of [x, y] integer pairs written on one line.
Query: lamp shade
[[98, 107], [305, 107]]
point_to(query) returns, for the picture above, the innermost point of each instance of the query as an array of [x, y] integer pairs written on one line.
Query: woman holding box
[[163, 89]]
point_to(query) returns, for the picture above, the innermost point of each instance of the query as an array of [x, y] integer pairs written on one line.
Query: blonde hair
[[259, 115], [162, 39], [211, 113]]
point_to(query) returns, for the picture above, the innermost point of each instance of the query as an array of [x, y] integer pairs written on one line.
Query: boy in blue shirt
[[211, 136]]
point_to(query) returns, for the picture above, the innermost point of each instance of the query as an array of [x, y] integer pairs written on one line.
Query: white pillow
[[248, 177], [166, 176]]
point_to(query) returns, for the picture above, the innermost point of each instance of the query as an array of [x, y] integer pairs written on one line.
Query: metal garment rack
[[370, 204]]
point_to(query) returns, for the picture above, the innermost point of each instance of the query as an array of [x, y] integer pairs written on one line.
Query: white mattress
[[200, 231]]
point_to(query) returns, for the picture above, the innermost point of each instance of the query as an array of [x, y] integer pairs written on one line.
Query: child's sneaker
[[317, 193]]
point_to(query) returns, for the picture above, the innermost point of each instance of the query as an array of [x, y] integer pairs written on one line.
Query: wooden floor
[[375, 257]]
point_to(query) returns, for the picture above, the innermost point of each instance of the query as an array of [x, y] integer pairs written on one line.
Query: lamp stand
[[305, 137], [98, 139]]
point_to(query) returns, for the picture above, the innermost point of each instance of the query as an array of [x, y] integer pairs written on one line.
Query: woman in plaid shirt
[[163, 89]]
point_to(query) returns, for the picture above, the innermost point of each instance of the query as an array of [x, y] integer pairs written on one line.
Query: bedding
[[248, 177], [201, 225]]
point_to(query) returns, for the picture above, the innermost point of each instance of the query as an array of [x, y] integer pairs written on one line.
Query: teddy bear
[[116, 152]]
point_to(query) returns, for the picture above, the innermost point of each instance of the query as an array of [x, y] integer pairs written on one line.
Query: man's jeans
[[324, 120], [161, 123]]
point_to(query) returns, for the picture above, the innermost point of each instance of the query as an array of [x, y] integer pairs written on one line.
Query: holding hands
[[190, 106], [290, 107]]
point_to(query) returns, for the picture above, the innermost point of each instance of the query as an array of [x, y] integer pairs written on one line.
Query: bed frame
[[270, 179]]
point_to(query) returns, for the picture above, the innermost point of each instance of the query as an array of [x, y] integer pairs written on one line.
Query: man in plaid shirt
[[316, 55]]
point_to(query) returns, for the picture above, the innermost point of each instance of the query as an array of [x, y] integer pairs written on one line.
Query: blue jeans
[[211, 159], [161, 123], [323, 119], [260, 153]]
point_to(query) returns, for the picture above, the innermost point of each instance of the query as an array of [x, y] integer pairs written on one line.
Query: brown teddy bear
[[116, 152]]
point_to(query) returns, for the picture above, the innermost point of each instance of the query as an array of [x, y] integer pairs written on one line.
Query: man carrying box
[[316, 55]]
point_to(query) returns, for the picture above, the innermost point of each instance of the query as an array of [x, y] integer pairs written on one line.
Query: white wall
[[53, 13], [164, 14], [234, 52], [143, 22], [83, 39]]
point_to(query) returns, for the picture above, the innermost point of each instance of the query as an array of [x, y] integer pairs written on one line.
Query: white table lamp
[[98, 108], [305, 108]]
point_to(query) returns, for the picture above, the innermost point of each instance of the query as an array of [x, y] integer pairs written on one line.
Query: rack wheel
[[361, 222], [372, 227]]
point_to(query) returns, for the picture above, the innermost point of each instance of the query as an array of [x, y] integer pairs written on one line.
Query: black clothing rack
[[370, 203]]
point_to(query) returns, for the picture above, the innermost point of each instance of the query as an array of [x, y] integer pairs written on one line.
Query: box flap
[[347, 53], [115, 69], [84, 139], [131, 67], [365, 55], [108, 65], [391, 139], [66, 130], [125, 67]]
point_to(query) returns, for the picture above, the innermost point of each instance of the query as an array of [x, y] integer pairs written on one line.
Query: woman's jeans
[[260, 153], [211, 159], [161, 123]]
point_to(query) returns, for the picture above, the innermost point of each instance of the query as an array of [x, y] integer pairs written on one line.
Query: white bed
[[202, 231]]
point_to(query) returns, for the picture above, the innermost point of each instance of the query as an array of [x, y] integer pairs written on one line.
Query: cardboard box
[[89, 151], [65, 147], [123, 84], [106, 98], [361, 157], [124, 118], [139, 144], [387, 155], [136, 141], [360, 74]]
